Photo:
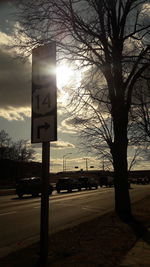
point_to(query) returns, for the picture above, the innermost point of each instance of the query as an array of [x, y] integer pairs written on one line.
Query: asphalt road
[[20, 219]]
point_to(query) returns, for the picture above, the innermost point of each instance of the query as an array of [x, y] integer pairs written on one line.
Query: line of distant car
[[71, 183], [140, 180], [33, 186]]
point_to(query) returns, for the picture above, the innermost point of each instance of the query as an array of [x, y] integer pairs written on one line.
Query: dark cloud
[[7, 16], [62, 145], [76, 121], [15, 75], [15, 81]]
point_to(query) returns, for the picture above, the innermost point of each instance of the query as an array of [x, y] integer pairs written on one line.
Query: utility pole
[[86, 160], [64, 163]]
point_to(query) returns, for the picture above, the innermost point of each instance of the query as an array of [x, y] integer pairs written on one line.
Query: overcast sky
[[15, 103]]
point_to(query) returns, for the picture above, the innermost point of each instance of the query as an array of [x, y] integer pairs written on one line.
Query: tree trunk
[[119, 154]]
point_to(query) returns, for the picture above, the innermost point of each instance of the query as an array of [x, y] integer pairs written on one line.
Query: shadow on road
[[24, 198]]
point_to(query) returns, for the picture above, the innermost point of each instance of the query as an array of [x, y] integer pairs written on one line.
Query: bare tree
[[110, 38], [4, 144], [4, 138], [18, 151], [21, 151], [96, 132], [140, 111], [138, 151]]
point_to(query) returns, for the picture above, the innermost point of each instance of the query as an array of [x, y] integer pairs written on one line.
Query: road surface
[[20, 219]]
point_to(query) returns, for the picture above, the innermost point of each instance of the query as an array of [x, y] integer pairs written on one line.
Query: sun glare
[[64, 74]]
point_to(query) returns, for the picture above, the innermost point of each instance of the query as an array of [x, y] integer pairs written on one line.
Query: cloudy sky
[[15, 102]]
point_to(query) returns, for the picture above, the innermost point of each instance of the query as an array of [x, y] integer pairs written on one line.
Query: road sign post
[[44, 126], [44, 204]]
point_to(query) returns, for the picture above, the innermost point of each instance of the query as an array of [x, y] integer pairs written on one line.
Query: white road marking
[[91, 209], [7, 213], [57, 199]]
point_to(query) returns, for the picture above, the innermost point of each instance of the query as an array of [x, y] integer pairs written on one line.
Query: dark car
[[68, 184], [31, 186], [107, 181], [88, 182], [143, 180]]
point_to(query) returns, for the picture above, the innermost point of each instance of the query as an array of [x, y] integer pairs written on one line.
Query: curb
[[5, 192]]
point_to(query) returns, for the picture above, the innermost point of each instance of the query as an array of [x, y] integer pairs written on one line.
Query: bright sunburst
[[66, 77], [64, 74]]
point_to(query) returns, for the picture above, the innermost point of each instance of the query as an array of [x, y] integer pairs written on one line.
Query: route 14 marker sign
[[44, 98]]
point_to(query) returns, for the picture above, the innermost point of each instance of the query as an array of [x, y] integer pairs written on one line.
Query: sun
[[64, 74], [67, 77]]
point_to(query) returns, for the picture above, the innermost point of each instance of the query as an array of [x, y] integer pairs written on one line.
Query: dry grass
[[100, 242]]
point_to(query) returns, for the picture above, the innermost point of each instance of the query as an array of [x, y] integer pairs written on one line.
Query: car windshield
[[25, 181], [63, 180], [83, 179], [30, 180], [35, 180]]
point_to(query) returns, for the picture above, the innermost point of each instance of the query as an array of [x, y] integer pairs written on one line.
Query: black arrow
[[45, 126]]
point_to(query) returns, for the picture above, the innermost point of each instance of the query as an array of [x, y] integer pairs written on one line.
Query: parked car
[[88, 182], [31, 186], [108, 181], [68, 184], [143, 180], [133, 180]]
